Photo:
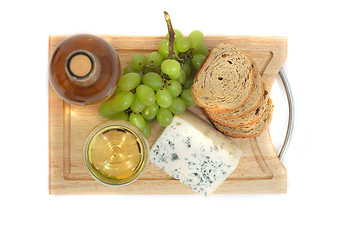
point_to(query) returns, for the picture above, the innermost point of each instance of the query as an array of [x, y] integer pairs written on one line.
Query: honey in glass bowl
[[116, 153]]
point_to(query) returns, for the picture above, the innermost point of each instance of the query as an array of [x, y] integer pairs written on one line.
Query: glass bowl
[[116, 153]]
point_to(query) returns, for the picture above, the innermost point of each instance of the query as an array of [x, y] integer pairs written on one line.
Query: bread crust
[[238, 132], [245, 120]]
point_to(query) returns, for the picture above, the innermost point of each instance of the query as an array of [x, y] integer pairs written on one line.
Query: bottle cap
[[80, 65], [82, 68]]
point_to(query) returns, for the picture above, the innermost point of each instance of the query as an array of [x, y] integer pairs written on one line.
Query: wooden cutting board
[[259, 170]]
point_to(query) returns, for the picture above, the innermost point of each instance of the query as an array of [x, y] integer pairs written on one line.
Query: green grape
[[198, 60], [152, 80], [117, 90], [163, 98], [141, 73], [151, 120], [177, 106], [147, 130], [138, 61], [174, 87], [120, 116], [188, 83], [149, 69], [186, 96], [180, 77], [129, 81], [154, 58], [164, 117], [178, 34], [196, 39], [176, 51], [145, 94], [128, 69], [170, 67], [104, 110], [176, 76], [109, 107], [187, 69], [163, 48], [123, 101], [203, 50], [188, 61], [150, 111], [183, 44], [137, 106], [137, 120]]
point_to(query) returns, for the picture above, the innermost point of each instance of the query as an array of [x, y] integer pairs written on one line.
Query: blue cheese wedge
[[192, 151]]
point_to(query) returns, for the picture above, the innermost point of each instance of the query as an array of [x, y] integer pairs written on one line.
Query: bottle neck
[[82, 68]]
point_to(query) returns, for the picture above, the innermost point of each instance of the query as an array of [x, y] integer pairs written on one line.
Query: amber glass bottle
[[84, 69]]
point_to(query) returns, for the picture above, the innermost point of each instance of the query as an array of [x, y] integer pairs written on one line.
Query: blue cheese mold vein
[[194, 153]]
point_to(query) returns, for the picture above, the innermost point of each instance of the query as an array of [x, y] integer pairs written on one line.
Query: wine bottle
[[84, 69]]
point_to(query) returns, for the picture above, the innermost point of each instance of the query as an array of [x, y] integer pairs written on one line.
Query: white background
[[322, 162]]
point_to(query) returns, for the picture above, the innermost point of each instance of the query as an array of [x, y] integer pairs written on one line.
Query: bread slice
[[245, 120], [251, 104], [225, 80], [254, 130]]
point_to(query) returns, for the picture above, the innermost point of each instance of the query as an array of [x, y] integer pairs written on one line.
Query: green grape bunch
[[157, 86]]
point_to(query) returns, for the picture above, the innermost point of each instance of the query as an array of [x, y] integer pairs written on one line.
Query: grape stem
[[149, 65], [164, 80], [171, 34], [187, 54]]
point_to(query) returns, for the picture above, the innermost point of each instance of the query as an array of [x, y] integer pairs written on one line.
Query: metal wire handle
[[291, 114]]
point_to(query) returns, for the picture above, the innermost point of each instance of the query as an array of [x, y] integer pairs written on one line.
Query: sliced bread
[[251, 104], [254, 130], [245, 120], [225, 81]]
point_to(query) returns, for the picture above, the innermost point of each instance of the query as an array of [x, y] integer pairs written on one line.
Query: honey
[[116, 153]]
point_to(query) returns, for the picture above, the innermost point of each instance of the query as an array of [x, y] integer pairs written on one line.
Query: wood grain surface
[[259, 170]]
